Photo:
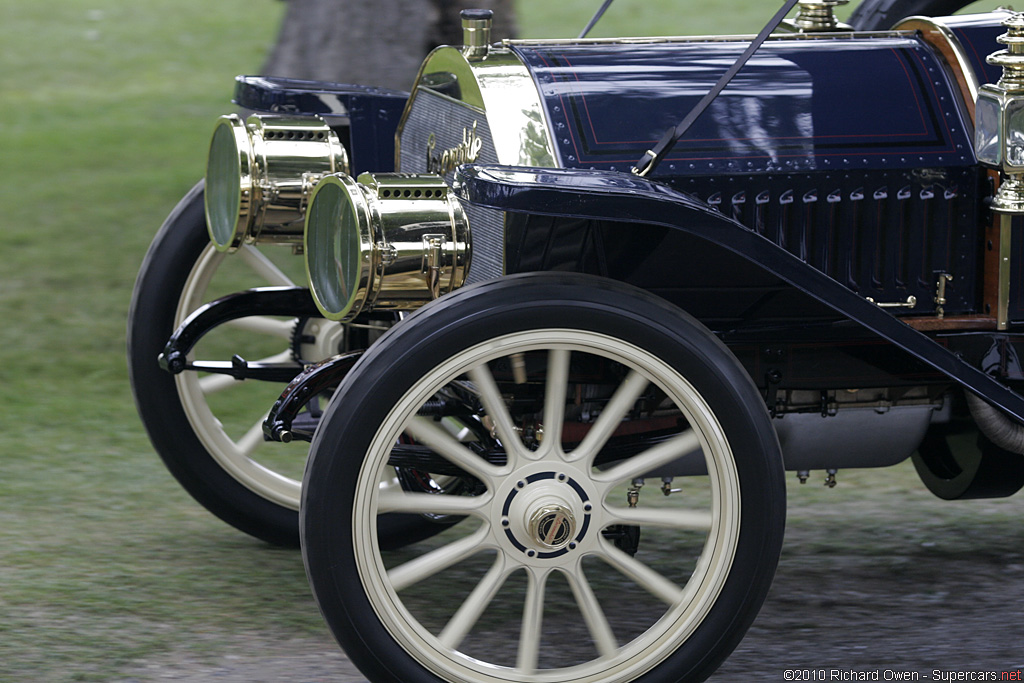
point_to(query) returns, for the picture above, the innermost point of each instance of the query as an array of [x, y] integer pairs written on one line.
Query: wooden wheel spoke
[[645, 577], [669, 518], [263, 266], [610, 418], [425, 566], [529, 632], [475, 604], [430, 503], [593, 615], [496, 409], [259, 324], [554, 402], [656, 456]]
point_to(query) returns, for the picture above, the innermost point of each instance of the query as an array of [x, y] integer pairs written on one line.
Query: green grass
[[639, 18], [105, 112]]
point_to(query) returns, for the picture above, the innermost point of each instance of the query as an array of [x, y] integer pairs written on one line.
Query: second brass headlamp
[[390, 241]]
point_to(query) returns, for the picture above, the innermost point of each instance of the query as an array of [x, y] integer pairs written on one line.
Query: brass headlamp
[[259, 175], [389, 241]]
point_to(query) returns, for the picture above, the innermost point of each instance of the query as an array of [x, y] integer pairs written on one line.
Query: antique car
[[550, 362]]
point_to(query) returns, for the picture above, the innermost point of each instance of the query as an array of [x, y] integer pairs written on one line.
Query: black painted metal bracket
[[282, 424], [281, 301]]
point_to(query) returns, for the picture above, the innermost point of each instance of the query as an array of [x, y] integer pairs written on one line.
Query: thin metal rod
[[1003, 295], [654, 156], [596, 18]]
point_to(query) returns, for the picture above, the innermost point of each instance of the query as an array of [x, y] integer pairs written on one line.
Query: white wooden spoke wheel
[[571, 563]]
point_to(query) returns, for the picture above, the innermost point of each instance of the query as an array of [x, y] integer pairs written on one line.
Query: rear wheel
[[955, 461], [571, 564], [207, 428]]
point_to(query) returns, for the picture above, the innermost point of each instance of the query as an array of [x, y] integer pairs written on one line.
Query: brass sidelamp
[[999, 144]]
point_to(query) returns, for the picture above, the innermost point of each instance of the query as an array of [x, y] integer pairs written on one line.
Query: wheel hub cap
[[545, 514], [552, 526]]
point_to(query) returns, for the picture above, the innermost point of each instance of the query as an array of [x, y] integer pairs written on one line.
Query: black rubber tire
[[161, 280], [531, 304], [882, 15]]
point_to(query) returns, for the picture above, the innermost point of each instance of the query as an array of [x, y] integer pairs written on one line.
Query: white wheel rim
[[234, 455], [393, 589]]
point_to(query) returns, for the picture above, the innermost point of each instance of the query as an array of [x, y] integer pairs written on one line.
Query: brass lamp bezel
[[317, 245], [242, 170]]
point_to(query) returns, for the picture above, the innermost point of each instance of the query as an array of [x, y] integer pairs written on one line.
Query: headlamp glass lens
[[223, 186], [1015, 132], [333, 249]]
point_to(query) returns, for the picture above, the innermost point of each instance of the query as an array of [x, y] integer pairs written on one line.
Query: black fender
[[614, 196]]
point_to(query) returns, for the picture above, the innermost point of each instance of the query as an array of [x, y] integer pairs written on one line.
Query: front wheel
[[583, 556]]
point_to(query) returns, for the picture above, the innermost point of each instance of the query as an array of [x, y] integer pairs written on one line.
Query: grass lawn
[[105, 111]]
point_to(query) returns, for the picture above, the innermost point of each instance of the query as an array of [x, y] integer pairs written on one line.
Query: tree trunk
[[372, 42]]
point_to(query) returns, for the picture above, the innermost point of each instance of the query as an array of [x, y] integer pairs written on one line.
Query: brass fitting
[[815, 16], [476, 32]]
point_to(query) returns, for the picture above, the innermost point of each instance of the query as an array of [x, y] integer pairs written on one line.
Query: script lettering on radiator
[[448, 160]]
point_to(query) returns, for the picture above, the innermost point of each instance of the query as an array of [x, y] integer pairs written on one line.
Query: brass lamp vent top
[[1012, 58]]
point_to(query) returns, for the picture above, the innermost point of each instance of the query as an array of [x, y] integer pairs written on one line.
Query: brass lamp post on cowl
[[816, 16]]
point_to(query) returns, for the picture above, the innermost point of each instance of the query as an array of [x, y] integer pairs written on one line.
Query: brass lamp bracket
[[433, 248]]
